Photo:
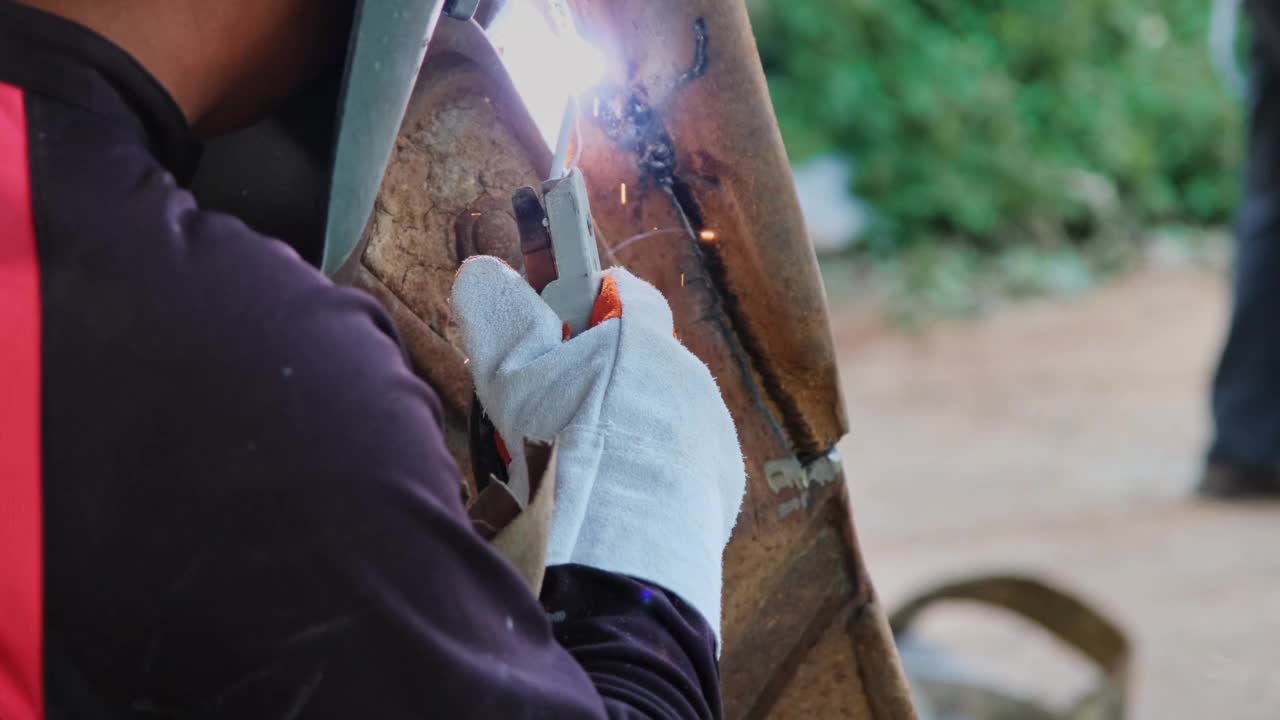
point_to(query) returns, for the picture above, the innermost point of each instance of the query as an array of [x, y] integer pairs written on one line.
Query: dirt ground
[[1060, 437]]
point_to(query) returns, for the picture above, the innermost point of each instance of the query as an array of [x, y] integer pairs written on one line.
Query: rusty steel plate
[[709, 215]]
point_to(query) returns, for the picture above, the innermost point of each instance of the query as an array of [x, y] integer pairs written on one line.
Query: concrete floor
[[1060, 438]]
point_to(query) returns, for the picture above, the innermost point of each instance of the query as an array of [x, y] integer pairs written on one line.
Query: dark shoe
[[1238, 482]]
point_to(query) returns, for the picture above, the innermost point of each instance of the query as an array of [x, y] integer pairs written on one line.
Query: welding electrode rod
[[558, 169]]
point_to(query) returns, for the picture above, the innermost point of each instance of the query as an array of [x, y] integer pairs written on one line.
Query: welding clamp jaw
[[558, 243], [562, 264], [573, 241]]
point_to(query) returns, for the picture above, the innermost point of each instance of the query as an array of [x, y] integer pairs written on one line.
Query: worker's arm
[[331, 571]]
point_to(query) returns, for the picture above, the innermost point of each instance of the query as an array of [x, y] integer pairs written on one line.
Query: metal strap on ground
[[1065, 617]]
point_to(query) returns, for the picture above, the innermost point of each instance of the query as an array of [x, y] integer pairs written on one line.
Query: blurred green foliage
[[998, 124]]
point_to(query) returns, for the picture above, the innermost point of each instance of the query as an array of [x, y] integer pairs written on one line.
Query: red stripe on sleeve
[[21, 577]]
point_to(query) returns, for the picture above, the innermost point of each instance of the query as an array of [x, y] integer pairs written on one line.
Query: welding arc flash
[[547, 58]]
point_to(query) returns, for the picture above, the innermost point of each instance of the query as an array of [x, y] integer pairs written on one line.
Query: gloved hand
[[650, 475]]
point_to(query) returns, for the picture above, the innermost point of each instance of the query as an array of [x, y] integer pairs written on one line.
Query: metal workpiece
[[687, 185], [695, 120], [690, 182]]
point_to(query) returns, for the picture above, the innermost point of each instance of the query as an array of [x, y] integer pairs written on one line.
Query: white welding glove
[[650, 475]]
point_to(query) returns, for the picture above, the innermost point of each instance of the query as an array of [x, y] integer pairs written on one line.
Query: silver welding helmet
[[388, 41], [310, 173]]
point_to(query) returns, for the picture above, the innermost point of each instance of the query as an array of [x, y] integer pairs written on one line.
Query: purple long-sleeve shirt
[[248, 510]]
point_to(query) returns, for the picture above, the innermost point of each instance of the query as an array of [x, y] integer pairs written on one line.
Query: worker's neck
[[182, 56]]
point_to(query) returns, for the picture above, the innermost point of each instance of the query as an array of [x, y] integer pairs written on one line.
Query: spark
[[643, 236], [681, 279], [708, 235], [622, 193]]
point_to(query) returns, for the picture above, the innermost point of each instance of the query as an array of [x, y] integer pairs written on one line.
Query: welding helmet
[[328, 147]]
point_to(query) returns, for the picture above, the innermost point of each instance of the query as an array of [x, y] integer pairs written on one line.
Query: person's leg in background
[[1244, 457]]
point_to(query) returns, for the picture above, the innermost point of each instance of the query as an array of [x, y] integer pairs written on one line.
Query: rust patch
[[793, 421], [800, 604], [638, 128], [791, 584]]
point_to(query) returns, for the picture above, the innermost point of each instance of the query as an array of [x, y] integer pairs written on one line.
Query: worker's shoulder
[[124, 246], [256, 292], [192, 332], [205, 270], [251, 305]]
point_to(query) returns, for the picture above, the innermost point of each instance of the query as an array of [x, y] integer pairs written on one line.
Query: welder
[[224, 494]]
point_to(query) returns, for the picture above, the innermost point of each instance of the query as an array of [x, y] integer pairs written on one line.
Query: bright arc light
[[547, 64]]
